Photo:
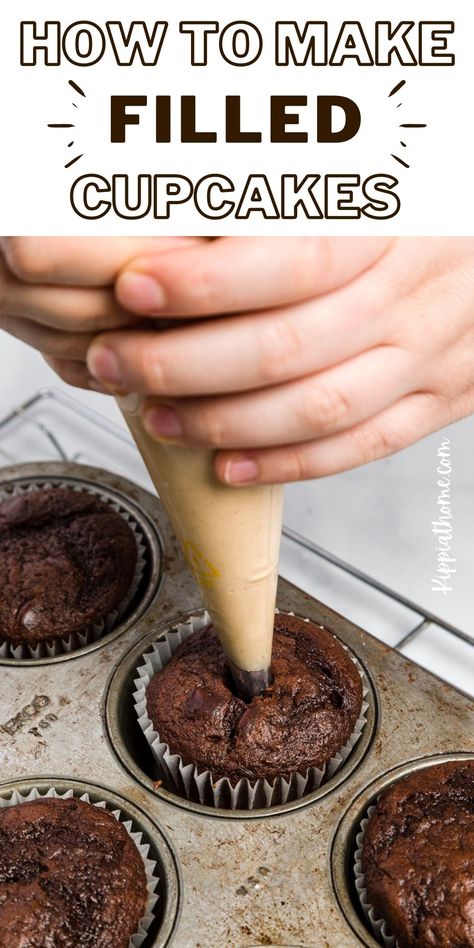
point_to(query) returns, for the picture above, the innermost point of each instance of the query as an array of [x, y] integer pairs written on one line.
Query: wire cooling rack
[[52, 425]]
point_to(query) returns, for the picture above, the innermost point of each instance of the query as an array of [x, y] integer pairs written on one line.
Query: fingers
[[230, 274], [399, 426], [62, 345], [298, 411], [62, 308], [241, 353], [74, 373], [81, 261]]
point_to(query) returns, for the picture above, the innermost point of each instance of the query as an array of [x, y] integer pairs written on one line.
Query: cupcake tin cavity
[[344, 844], [168, 886], [146, 585], [248, 879], [137, 756]]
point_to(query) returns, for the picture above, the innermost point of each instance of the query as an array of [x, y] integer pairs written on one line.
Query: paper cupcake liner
[[152, 879], [198, 785], [75, 640], [379, 927]]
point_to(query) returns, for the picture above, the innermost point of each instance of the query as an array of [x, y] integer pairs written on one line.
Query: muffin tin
[[136, 755], [344, 843], [166, 911], [144, 527], [272, 877]]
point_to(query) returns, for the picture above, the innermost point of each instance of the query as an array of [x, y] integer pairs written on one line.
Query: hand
[[353, 349], [57, 293]]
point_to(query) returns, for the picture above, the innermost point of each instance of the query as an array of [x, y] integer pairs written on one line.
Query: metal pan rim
[[113, 701], [342, 845], [170, 872], [64, 472]]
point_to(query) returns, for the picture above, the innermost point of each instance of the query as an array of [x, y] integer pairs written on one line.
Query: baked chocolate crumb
[[302, 719], [67, 559], [70, 876], [418, 857]]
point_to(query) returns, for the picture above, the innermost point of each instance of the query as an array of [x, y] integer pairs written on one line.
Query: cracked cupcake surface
[[67, 559], [418, 857], [304, 717], [70, 876]]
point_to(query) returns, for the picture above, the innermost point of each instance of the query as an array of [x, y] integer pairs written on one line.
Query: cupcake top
[[70, 876], [300, 721], [418, 857], [67, 559]]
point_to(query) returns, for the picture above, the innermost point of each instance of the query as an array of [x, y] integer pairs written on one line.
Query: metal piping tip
[[250, 683]]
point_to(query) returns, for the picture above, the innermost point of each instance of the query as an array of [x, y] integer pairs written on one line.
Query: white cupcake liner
[[188, 781], [152, 879], [379, 926], [75, 640]]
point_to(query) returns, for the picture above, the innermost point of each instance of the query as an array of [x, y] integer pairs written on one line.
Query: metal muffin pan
[[168, 889], [344, 843], [264, 880], [133, 752], [93, 480]]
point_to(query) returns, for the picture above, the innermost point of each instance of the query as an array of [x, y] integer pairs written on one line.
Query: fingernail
[[103, 364], [140, 292], [241, 471], [163, 422], [97, 386]]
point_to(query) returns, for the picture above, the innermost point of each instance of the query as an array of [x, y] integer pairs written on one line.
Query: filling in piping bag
[[231, 541]]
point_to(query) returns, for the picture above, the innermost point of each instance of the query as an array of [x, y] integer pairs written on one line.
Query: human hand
[[57, 293], [370, 349]]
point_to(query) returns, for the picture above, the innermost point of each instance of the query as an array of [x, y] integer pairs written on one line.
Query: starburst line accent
[[73, 161], [397, 88], [77, 88], [401, 161], [400, 85], [80, 92]]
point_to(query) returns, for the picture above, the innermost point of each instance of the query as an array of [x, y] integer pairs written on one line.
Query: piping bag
[[231, 541]]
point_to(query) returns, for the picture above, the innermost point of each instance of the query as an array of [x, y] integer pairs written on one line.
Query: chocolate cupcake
[[306, 715], [67, 559], [70, 876], [417, 858]]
